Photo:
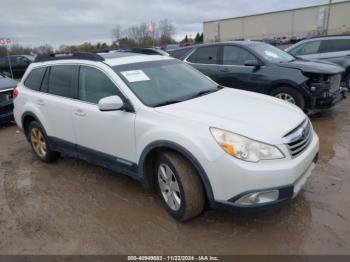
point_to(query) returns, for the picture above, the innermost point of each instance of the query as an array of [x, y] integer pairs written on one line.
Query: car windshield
[[271, 53], [159, 83]]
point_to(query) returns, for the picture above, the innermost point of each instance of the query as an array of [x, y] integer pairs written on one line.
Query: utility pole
[[328, 16]]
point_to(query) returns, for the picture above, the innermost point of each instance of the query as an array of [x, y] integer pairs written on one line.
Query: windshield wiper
[[169, 102], [203, 92]]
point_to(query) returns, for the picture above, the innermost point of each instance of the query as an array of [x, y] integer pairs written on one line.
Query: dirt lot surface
[[72, 207]]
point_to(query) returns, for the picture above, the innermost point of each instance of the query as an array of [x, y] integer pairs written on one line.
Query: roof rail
[[65, 56], [336, 35]]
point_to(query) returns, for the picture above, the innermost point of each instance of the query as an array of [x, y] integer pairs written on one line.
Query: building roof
[[278, 11]]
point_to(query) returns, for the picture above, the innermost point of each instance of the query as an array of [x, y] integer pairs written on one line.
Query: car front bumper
[[232, 179]]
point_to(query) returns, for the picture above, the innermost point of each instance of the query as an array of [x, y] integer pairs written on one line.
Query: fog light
[[313, 88], [258, 198]]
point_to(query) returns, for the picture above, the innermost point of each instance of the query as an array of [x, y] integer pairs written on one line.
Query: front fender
[[185, 153]]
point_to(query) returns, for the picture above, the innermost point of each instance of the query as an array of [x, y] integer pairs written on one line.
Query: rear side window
[[335, 45], [307, 48], [205, 55], [62, 80], [35, 78], [180, 53], [95, 85]]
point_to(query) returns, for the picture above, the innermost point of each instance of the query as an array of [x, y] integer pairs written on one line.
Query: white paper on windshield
[[135, 76], [268, 53]]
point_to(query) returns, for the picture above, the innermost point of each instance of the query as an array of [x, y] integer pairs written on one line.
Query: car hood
[[314, 66], [7, 83], [253, 115]]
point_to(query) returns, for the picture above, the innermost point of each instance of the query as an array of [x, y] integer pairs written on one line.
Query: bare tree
[[166, 31], [139, 33], [117, 33], [43, 49]]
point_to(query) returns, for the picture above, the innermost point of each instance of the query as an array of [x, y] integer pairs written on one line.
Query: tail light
[[14, 93]]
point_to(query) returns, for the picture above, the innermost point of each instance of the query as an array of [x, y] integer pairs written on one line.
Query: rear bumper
[[6, 118]]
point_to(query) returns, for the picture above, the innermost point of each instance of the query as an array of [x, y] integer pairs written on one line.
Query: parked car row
[[260, 67], [199, 142], [7, 85], [335, 49], [162, 122], [19, 64]]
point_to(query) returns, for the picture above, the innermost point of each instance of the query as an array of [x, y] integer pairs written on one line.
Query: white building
[[308, 21]]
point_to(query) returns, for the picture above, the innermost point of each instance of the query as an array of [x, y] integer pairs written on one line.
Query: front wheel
[[179, 186], [290, 95]]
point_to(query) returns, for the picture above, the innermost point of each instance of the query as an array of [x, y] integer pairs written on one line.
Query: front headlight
[[244, 148]]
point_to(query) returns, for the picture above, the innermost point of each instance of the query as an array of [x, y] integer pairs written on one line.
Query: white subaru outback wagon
[[165, 124]]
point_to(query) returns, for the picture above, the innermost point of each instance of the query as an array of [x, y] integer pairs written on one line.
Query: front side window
[[233, 55], [62, 80], [271, 53], [205, 55], [307, 48], [35, 78], [95, 85], [163, 82]]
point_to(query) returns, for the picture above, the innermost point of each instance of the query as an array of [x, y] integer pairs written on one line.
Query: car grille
[[334, 84], [299, 138]]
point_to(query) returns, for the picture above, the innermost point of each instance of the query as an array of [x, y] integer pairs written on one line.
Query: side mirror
[[110, 103], [254, 63]]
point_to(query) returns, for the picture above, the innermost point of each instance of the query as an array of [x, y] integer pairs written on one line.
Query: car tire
[[291, 95], [39, 142], [185, 198]]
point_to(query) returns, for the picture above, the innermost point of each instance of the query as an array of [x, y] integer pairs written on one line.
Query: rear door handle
[[79, 112], [224, 70], [40, 102]]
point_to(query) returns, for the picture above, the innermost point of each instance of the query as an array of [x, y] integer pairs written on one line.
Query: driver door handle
[[80, 112], [224, 70]]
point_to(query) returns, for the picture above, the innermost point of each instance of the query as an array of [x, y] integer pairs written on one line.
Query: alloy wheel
[[286, 97], [169, 187], [38, 142]]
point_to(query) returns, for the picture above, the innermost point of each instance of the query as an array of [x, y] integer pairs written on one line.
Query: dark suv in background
[[19, 64], [7, 85], [260, 67], [335, 49]]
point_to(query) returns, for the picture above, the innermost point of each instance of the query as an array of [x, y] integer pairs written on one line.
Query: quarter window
[[61, 80], [35, 78], [95, 85], [205, 55], [233, 55]]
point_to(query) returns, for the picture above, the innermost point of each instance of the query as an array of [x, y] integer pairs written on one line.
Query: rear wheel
[[179, 186], [290, 95], [39, 143]]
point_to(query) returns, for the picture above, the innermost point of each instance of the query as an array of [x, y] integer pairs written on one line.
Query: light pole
[[328, 16]]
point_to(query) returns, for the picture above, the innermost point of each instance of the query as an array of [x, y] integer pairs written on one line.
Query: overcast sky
[[56, 22]]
